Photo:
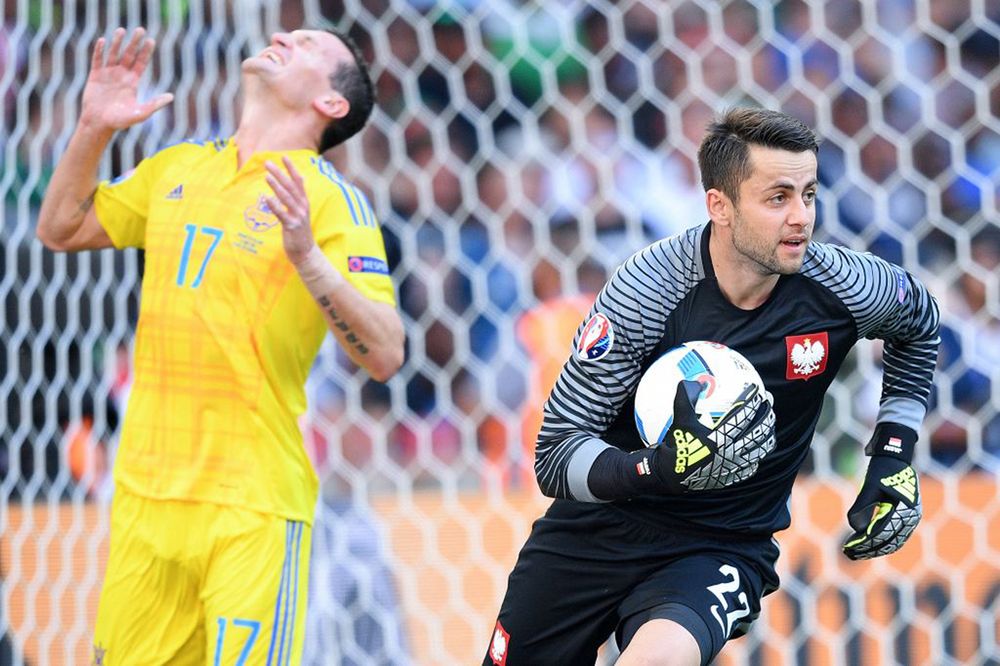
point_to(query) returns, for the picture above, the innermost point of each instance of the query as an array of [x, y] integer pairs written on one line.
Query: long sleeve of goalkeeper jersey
[[891, 305], [589, 394]]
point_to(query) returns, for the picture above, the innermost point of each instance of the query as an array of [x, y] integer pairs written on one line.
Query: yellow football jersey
[[227, 331]]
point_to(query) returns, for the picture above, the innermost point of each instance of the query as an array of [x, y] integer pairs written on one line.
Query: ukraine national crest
[[259, 217]]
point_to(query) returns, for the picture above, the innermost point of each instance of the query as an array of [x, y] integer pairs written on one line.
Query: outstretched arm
[[370, 332], [888, 506], [67, 220]]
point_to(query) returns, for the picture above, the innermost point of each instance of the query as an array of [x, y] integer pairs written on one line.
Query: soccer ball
[[725, 371]]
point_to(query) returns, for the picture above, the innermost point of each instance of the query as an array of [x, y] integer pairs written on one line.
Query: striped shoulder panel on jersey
[[638, 299], [655, 280], [864, 283], [357, 203], [888, 303]]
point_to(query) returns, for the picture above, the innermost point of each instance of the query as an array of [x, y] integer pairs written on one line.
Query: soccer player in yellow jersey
[[255, 247]]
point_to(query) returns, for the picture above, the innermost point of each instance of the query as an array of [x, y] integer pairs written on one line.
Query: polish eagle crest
[[807, 355]]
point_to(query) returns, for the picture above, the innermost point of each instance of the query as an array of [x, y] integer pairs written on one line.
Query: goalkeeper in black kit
[[669, 555]]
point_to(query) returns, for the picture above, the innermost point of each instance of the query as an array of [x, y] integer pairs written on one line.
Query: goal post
[[520, 150]]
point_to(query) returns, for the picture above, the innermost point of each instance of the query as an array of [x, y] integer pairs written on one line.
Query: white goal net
[[520, 150]]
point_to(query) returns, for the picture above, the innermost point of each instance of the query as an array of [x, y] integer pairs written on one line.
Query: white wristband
[[319, 276]]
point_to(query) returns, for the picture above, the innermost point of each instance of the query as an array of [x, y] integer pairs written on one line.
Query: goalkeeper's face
[[773, 221], [295, 68]]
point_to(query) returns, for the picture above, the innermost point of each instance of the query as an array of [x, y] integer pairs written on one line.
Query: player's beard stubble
[[762, 251]]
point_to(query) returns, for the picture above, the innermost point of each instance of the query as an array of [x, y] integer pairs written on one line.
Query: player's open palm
[[110, 97]]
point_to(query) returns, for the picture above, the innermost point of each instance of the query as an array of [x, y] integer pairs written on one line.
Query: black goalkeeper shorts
[[588, 570]]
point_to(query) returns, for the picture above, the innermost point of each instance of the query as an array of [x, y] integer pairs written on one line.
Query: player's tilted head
[[724, 155], [319, 76], [354, 82]]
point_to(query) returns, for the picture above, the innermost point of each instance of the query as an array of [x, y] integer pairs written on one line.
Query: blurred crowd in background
[[519, 152]]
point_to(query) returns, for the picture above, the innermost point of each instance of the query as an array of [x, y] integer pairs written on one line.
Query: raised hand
[[291, 206], [110, 96]]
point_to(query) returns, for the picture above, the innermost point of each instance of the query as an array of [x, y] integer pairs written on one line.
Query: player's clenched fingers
[[889, 528]]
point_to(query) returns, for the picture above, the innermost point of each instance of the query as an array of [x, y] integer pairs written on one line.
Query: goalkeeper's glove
[[696, 457], [887, 509]]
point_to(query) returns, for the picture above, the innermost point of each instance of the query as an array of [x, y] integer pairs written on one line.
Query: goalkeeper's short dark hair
[[354, 82], [724, 155]]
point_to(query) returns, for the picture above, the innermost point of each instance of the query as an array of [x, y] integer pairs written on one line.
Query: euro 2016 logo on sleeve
[[259, 216], [596, 339]]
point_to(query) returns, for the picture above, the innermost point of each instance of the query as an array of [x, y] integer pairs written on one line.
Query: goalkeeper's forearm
[[588, 469], [370, 332], [617, 475], [69, 197]]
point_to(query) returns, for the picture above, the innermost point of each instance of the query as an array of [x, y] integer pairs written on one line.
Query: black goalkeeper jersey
[[667, 294]]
